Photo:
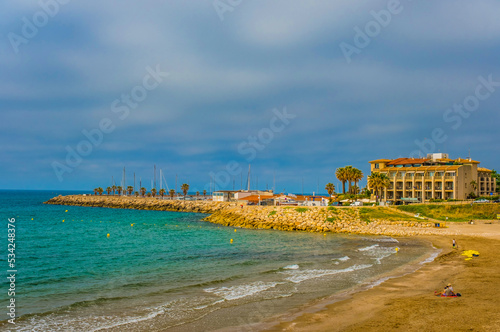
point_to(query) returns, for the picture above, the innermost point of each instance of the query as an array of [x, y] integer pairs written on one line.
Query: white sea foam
[[431, 257], [291, 267], [298, 276], [385, 239], [240, 291], [209, 305], [368, 248], [378, 253], [341, 259]]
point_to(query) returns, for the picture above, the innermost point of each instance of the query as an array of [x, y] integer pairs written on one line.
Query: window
[[377, 166]]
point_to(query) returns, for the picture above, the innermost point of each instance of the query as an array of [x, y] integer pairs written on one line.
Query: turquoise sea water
[[160, 269]]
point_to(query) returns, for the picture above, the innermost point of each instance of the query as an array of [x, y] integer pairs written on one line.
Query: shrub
[[301, 209]]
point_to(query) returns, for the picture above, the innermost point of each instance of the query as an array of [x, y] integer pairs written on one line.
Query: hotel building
[[434, 177]]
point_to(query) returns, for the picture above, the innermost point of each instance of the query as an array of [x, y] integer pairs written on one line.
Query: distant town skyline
[[203, 89]]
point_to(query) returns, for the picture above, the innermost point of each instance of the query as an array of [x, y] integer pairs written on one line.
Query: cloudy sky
[[294, 88]]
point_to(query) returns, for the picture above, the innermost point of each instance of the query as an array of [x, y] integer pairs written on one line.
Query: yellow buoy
[[131, 225], [31, 218], [231, 240], [63, 220], [235, 230], [66, 211], [397, 250], [108, 235]]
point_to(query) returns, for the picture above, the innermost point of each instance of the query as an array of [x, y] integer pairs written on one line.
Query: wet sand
[[408, 303]]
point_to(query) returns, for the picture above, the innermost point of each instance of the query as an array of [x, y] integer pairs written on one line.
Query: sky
[[203, 89]]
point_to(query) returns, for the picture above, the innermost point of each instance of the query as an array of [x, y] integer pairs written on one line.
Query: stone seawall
[[140, 203], [311, 219], [315, 219]]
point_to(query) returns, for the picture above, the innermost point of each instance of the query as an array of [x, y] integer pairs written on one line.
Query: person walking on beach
[[455, 244]]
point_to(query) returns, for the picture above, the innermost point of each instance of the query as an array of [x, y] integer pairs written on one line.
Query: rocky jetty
[[316, 219], [140, 203], [310, 219]]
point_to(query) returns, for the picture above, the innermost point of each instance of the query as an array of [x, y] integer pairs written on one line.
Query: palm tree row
[[349, 174], [378, 181], [142, 191]]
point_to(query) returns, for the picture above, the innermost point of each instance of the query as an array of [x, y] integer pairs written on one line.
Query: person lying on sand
[[448, 291]]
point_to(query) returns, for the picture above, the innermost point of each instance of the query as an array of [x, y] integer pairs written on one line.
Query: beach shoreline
[[405, 301], [408, 303]]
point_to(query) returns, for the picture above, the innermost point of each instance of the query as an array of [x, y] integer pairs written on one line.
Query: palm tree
[[114, 189], [330, 188], [95, 191], [130, 190], [172, 193], [153, 192], [185, 188], [204, 192], [119, 189], [357, 176], [355, 190], [143, 191], [136, 193], [378, 181], [162, 192], [350, 171], [100, 191], [197, 193], [341, 175], [108, 190], [473, 184]]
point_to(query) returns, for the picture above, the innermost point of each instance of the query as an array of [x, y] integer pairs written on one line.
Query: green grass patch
[[332, 219], [301, 209], [370, 214], [333, 209], [272, 213], [461, 212]]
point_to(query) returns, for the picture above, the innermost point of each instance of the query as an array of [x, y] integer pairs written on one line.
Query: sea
[[102, 269]]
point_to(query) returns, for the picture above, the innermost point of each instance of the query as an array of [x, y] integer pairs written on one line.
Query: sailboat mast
[[154, 176], [248, 187]]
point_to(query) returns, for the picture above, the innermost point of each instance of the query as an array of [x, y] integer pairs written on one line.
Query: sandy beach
[[408, 303]]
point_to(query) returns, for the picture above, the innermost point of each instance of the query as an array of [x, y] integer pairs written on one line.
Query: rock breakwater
[[311, 219]]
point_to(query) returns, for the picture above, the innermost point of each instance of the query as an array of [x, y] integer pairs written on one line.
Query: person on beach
[[454, 244], [448, 291]]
